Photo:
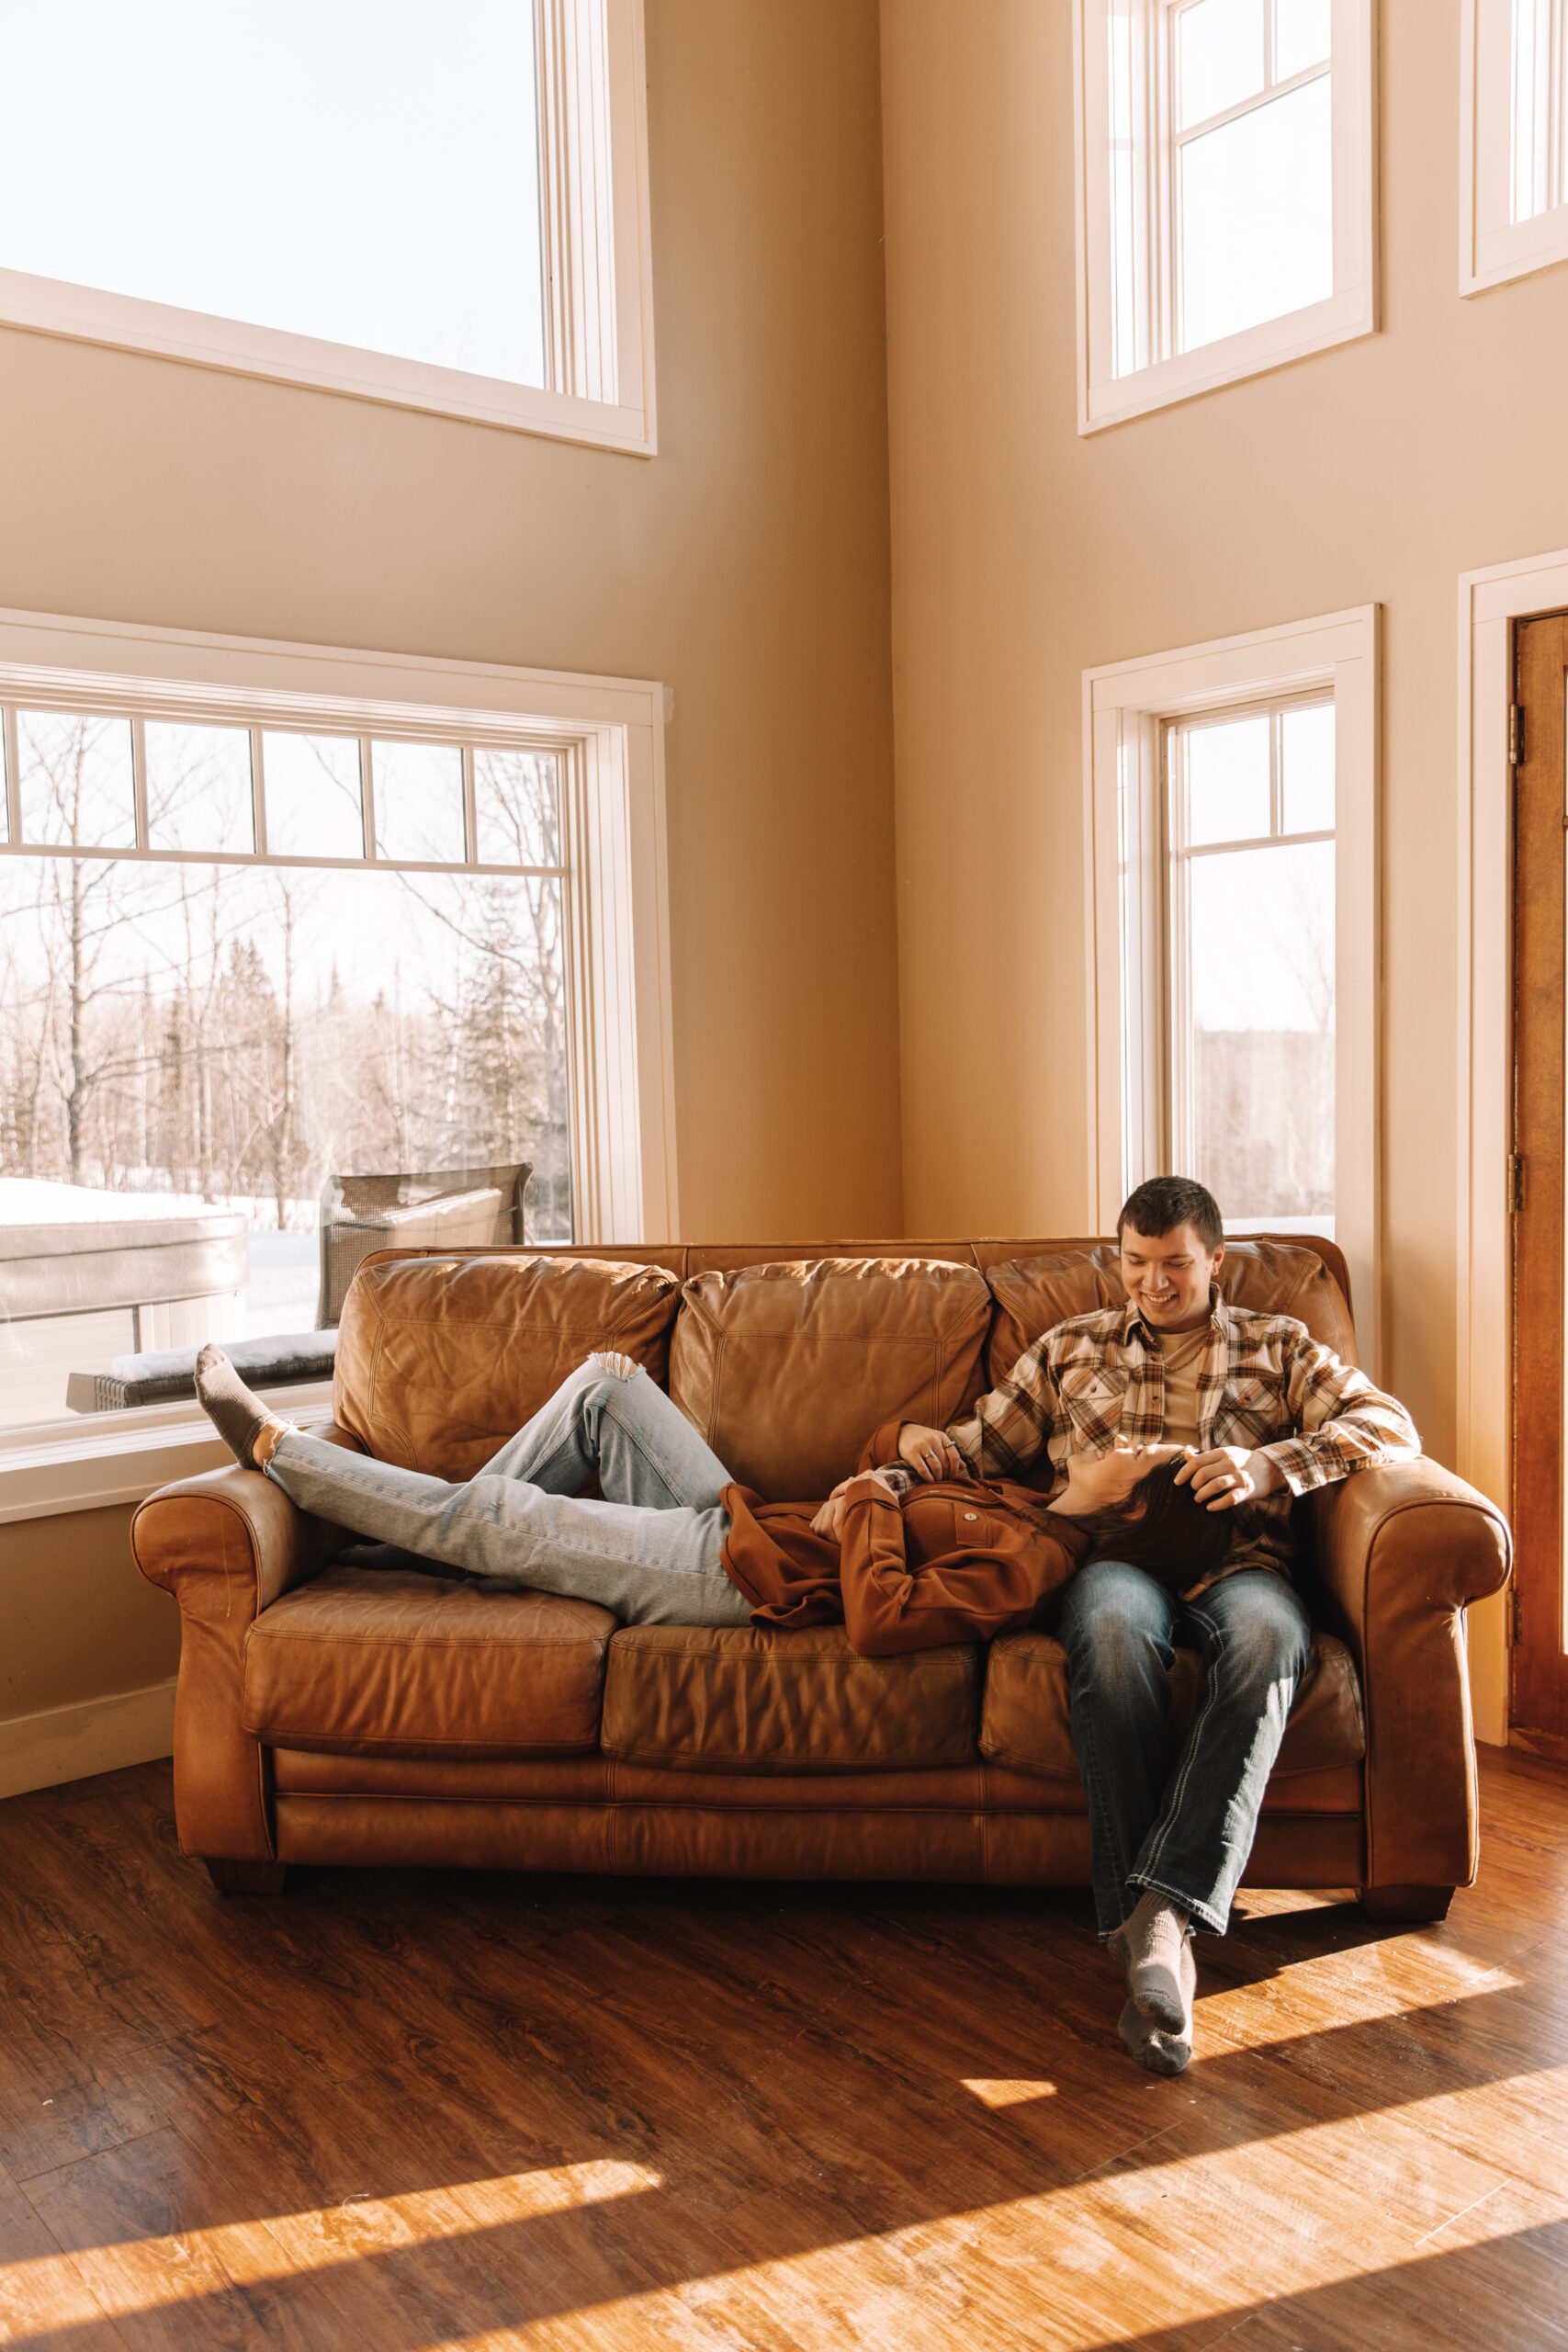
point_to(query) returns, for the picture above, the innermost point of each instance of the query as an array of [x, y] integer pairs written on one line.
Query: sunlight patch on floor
[[1139, 2247], [114, 2281], [1007, 2093]]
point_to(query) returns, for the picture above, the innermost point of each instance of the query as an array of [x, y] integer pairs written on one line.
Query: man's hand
[[930, 1454], [829, 1519], [1228, 1475]]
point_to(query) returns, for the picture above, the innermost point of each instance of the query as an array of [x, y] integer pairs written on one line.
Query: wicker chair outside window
[[448, 1207]]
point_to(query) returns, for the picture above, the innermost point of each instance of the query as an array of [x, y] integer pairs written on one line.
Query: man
[[1269, 1413], [676, 1541]]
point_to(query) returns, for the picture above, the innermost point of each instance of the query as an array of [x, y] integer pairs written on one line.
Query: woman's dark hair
[[1178, 1542]]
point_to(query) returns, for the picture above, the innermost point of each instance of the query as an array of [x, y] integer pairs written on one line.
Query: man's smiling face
[[1168, 1276]]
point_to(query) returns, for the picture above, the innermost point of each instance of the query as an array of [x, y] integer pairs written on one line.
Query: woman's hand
[[829, 1519], [930, 1454], [1228, 1475]]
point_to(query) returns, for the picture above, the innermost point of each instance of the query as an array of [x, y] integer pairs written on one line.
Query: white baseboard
[[96, 1735]]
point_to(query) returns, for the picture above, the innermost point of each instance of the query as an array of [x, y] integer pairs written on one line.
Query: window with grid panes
[[238, 959], [1225, 203], [1249, 800]]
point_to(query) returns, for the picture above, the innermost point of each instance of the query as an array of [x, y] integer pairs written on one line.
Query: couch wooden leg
[[1405, 1905], [247, 1878]]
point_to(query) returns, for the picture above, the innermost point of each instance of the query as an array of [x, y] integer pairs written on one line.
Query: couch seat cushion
[[749, 1699], [1026, 1725], [787, 1368], [369, 1662]]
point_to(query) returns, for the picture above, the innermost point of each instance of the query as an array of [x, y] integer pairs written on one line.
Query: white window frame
[[609, 733], [598, 272], [1105, 399], [1490, 601], [1493, 247], [1125, 705]]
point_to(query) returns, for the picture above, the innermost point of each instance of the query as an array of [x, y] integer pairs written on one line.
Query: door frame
[[1490, 601]]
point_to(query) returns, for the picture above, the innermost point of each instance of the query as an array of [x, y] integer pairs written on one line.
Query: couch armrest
[[227, 1545], [1402, 1553]]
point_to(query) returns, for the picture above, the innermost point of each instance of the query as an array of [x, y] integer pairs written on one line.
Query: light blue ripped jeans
[[651, 1551]]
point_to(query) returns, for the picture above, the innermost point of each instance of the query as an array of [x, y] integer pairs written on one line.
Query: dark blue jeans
[[1183, 1824]]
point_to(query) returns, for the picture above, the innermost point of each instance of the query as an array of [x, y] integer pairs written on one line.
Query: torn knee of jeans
[[619, 1367]]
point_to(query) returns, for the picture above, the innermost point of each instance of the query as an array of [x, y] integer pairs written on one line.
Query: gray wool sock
[[1162, 2053], [1152, 1948], [235, 1411]]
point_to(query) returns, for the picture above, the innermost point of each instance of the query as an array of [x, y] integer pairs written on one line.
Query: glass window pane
[[1307, 759], [1219, 57], [1537, 172], [515, 807], [250, 1030], [419, 801], [311, 784], [1262, 1040], [1257, 237], [1302, 35], [367, 171], [199, 788], [1227, 780], [74, 776]]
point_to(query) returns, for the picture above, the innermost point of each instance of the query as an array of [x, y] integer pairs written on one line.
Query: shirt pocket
[[1253, 1410], [1093, 1399]]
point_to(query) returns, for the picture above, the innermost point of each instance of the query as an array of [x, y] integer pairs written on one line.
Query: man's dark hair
[[1174, 1539], [1158, 1207]]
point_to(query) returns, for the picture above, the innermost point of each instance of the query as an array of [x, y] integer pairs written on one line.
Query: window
[[252, 940], [442, 208], [1224, 192], [1514, 146], [1232, 930], [1249, 1074]]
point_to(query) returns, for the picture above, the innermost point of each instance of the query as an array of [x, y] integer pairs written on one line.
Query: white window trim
[[1350, 311], [1124, 704], [1492, 248], [598, 272], [610, 733], [1490, 601]]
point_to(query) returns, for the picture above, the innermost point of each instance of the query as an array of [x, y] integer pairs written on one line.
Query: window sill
[[112, 1458], [1344, 318]]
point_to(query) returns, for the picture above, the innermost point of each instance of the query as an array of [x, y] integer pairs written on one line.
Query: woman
[[676, 1541]]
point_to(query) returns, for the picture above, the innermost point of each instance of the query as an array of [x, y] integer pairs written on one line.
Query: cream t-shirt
[[1183, 1353]]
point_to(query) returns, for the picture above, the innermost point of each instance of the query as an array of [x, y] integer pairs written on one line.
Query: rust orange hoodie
[[959, 1561]]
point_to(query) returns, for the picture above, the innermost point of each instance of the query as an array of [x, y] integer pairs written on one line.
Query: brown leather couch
[[338, 1710]]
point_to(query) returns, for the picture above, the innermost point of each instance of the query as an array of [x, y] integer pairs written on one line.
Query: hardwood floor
[[397, 2110]]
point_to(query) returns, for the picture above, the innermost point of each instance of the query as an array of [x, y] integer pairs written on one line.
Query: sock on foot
[[235, 1411], [1162, 2053], [1151, 1946]]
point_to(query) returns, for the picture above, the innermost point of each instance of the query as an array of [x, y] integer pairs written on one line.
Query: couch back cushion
[[787, 1368], [439, 1360], [1278, 1277]]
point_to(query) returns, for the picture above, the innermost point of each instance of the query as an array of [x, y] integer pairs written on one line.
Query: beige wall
[[746, 566], [1022, 554], [76, 1617]]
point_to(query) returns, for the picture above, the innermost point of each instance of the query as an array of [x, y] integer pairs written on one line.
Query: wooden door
[[1538, 1709]]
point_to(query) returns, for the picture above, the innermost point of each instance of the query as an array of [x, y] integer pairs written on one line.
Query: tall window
[[1250, 960], [1514, 139], [1226, 191], [1234, 966], [438, 206], [1539, 63]]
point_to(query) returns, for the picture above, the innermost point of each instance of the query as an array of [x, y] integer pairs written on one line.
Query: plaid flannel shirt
[[1266, 1384]]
